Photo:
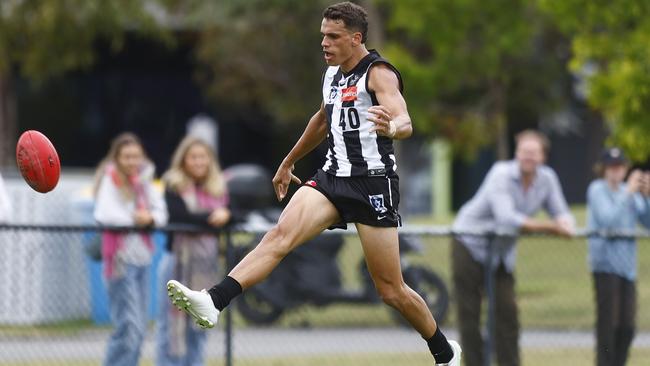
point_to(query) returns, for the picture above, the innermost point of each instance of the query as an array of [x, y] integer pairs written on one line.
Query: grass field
[[529, 358], [554, 286], [574, 357], [554, 291]]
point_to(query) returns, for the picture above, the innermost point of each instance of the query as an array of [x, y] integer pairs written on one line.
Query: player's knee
[[277, 242], [393, 294]]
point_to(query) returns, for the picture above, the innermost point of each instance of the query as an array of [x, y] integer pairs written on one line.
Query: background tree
[[467, 63], [610, 51], [264, 54], [43, 39]]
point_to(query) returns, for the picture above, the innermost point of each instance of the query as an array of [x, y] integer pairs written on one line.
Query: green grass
[[65, 328], [554, 287], [576, 357], [530, 357], [553, 284]]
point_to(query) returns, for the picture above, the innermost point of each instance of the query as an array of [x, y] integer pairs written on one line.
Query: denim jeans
[[128, 296], [194, 338]]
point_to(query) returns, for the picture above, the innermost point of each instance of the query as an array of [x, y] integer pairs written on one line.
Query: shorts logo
[[349, 94], [377, 202], [311, 183]]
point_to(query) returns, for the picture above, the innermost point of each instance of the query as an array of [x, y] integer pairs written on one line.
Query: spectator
[[615, 205], [195, 194], [5, 203], [505, 203], [125, 196]]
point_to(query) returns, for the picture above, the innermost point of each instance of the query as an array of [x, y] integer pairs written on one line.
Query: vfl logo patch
[[311, 183], [377, 202], [349, 94]]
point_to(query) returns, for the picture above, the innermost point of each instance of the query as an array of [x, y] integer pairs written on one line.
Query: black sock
[[222, 293], [439, 347]]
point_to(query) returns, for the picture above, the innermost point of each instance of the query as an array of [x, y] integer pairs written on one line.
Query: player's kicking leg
[[307, 214], [381, 249]]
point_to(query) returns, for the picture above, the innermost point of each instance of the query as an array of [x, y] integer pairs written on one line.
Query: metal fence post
[[489, 291], [228, 313]]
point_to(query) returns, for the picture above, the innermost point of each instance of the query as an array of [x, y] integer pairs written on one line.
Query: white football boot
[[197, 304], [455, 361]]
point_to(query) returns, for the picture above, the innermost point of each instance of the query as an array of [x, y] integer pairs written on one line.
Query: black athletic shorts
[[371, 201]]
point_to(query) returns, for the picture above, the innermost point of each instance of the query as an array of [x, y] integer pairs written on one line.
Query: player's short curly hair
[[353, 16]]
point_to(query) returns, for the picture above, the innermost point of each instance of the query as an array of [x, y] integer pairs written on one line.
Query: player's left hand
[[284, 177], [381, 117]]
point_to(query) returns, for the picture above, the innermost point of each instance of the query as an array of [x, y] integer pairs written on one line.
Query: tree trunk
[[500, 120], [375, 25], [7, 121], [503, 143]]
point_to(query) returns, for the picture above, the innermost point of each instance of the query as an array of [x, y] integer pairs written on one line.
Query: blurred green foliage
[[263, 54], [610, 44], [46, 38], [464, 62], [467, 64]]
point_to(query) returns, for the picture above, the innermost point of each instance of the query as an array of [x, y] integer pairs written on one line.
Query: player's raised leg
[[306, 215], [381, 250]]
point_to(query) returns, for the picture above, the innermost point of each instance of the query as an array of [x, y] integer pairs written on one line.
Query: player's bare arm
[[391, 117], [314, 134]]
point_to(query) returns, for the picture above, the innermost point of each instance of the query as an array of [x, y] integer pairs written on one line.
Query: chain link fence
[[54, 308]]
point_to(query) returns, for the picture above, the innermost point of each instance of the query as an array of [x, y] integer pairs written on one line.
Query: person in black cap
[[614, 204]]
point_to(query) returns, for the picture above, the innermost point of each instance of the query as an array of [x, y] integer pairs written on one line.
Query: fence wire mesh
[[54, 308]]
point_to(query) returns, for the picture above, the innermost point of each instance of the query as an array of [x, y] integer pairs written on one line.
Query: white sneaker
[[455, 361], [198, 304]]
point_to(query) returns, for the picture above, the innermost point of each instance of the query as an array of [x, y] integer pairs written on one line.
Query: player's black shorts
[[371, 201]]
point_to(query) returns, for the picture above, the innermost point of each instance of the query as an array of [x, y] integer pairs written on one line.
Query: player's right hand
[[284, 177]]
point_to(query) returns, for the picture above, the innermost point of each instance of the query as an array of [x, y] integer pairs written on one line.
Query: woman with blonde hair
[[195, 193], [125, 196]]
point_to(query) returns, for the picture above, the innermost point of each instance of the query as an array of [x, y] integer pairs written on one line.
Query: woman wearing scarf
[[125, 196], [195, 193]]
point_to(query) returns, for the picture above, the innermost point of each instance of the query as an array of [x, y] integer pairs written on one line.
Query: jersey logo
[[349, 94], [377, 202], [311, 183], [332, 95]]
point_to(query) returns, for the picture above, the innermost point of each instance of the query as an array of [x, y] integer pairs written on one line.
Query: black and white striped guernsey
[[352, 149]]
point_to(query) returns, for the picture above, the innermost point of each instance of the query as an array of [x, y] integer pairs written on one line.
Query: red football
[[38, 161]]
